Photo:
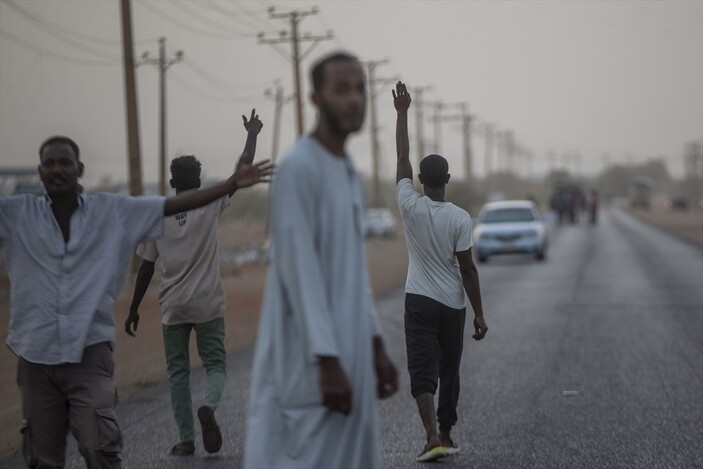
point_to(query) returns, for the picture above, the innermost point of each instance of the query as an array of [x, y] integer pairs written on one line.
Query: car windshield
[[508, 215]]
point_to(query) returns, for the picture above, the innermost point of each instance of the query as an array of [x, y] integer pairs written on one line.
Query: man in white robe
[[319, 363]]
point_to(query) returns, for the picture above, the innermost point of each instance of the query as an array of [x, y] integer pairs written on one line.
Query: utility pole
[[162, 64], [133, 148], [280, 101], [437, 127], [375, 157], [488, 157], [294, 17], [465, 118], [419, 103]]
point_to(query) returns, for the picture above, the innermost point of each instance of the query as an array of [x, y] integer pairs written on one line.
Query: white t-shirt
[[434, 233], [188, 258]]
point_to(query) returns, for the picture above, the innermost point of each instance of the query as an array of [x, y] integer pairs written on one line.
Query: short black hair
[[60, 139], [434, 170], [185, 170], [318, 70]]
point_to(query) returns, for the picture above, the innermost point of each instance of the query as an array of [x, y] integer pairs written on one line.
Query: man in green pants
[[191, 298]]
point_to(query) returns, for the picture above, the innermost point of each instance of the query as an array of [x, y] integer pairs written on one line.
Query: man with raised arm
[[438, 234], [320, 363], [66, 255], [191, 298]]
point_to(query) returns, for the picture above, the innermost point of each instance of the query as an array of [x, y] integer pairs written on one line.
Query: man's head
[[185, 173], [60, 166], [339, 92], [434, 171]]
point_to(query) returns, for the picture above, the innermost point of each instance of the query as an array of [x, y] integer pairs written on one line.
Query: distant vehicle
[[567, 201], [379, 222], [510, 227], [30, 188], [640, 191], [677, 202]]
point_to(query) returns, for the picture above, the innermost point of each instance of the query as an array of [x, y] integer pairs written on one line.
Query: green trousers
[[210, 338]]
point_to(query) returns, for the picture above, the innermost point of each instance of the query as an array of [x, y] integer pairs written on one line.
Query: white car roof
[[509, 204]]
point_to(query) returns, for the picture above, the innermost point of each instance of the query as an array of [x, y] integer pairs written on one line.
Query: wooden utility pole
[[437, 118], [294, 17], [375, 157], [417, 93], [488, 157], [162, 64], [280, 100], [133, 147]]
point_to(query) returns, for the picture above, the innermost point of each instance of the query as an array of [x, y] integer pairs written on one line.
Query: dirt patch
[[140, 361], [687, 224]]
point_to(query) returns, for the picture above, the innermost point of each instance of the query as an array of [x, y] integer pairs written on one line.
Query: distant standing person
[[319, 363], [438, 234], [191, 298], [66, 255], [593, 206]]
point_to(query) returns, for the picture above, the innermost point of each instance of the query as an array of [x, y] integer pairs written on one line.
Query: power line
[[203, 73], [76, 34], [55, 55], [210, 96], [202, 18], [59, 35], [183, 25], [244, 21]]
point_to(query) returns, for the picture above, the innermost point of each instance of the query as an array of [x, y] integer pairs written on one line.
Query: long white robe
[[317, 302]]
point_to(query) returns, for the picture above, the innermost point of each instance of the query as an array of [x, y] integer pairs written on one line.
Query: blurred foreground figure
[[320, 362], [191, 298], [438, 234], [66, 255]]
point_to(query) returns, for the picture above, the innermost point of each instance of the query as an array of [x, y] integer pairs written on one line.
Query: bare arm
[[469, 276], [246, 175], [401, 101], [146, 272]]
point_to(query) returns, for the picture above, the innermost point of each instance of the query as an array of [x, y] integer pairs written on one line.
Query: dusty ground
[[686, 224], [140, 361]]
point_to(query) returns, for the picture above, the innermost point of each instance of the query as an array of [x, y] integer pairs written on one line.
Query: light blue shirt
[[62, 294]]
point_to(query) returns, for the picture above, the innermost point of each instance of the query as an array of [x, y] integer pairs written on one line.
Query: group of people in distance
[[320, 363]]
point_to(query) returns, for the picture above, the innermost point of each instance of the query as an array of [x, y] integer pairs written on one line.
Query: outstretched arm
[[469, 276], [253, 127], [401, 101], [246, 175]]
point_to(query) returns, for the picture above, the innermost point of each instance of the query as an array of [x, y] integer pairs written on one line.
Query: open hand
[[386, 373], [253, 125], [401, 97], [249, 174]]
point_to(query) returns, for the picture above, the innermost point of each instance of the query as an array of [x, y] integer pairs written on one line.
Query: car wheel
[[482, 259], [541, 254]]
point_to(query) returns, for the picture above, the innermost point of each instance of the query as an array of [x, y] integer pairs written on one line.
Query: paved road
[[593, 359]]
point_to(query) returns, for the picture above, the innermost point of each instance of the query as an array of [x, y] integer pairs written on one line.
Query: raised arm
[[401, 101], [253, 127], [245, 175]]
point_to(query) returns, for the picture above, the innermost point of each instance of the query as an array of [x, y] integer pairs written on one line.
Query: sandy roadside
[[686, 224], [140, 361]]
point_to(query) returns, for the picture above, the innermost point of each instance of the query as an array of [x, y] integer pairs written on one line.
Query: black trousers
[[434, 339]]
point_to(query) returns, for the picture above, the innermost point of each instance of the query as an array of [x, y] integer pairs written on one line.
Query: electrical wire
[[203, 73], [64, 37], [202, 18], [185, 26], [209, 95], [55, 55]]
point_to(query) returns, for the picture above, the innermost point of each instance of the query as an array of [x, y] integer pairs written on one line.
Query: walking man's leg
[[45, 424], [451, 344], [90, 389], [176, 339], [421, 329], [210, 337]]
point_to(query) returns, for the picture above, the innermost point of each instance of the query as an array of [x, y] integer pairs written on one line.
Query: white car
[[510, 227], [379, 222]]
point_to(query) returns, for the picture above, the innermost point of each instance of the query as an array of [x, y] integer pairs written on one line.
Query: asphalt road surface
[[593, 359]]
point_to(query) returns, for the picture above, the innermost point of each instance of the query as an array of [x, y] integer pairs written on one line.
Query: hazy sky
[[622, 80]]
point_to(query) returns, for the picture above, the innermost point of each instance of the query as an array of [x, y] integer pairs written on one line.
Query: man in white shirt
[[66, 255], [191, 298], [438, 234]]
